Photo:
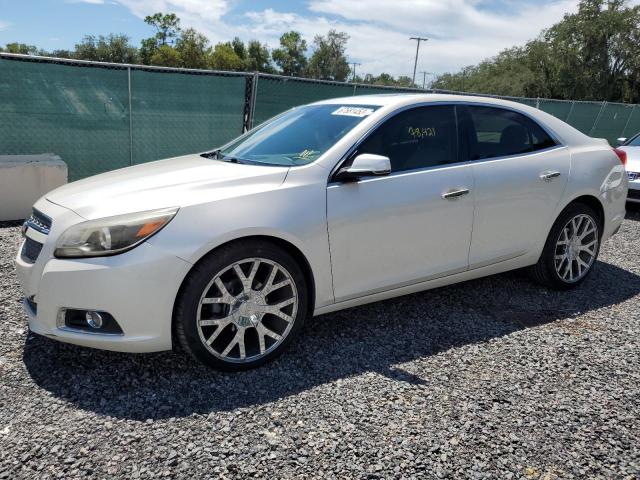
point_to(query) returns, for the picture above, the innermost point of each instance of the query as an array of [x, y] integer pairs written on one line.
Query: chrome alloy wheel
[[247, 310], [576, 248]]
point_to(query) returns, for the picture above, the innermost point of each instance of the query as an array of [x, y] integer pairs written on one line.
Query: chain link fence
[[98, 117]]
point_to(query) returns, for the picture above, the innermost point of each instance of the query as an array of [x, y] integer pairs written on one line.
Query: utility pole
[[415, 65], [424, 78], [353, 79]]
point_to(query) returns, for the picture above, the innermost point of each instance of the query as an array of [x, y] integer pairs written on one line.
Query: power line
[[415, 65]]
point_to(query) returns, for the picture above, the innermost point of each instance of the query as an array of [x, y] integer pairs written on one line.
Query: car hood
[[633, 158], [175, 182]]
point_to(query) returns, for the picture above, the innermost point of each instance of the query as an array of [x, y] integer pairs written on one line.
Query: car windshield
[[633, 142], [297, 137]]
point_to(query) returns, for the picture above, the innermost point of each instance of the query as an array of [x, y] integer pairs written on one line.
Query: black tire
[[188, 301], [544, 272]]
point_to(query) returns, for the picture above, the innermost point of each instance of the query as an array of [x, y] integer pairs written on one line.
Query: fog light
[[88, 321], [94, 319]]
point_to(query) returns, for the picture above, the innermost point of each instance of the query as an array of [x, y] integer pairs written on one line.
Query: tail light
[[622, 155]]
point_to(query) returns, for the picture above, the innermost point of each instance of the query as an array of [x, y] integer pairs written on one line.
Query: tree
[[589, 55], [328, 61], [62, 53], [166, 56], [22, 48], [239, 48], [224, 57], [148, 47], [291, 56], [194, 49], [258, 58], [383, 79], [167, 27], [113, 48], [405, 81]]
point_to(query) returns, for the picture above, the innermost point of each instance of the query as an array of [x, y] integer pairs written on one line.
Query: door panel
[[397, 230], [514, 205], [511, 157]]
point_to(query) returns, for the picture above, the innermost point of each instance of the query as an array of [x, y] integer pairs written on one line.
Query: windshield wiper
[[215, 154]]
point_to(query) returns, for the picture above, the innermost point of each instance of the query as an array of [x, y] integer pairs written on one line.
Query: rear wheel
[[571, 249], [241, 306]]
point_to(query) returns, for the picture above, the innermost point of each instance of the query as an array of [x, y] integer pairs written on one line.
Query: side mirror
[[621, 141], [365, 165]]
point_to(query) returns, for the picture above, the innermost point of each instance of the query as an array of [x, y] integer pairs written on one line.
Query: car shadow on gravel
[[372, 338]]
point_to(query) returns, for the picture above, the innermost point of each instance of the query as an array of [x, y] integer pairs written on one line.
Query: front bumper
[[634, 190], [137, 288]]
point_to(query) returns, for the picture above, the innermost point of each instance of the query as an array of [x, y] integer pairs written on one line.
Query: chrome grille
[[39, 222]]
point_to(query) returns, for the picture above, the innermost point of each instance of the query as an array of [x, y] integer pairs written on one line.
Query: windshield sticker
[[306, 154], [353, 111]]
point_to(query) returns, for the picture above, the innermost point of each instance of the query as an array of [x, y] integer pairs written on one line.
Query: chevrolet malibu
[[324, 207]]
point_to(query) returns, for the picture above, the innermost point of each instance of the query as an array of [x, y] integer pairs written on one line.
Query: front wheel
[[241, 306], [571, 249]]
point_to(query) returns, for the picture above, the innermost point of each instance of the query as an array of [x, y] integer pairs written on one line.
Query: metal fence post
[[595, 124], [254, 95], [130, 119], [538, 103], [633, 109]]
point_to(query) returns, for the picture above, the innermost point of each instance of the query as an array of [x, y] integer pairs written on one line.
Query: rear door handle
[[549, 175], [452, 194]]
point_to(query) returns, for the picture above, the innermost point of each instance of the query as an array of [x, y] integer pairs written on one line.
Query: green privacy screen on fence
[[81, 110], [276, 94], [174, 114], [79, 113]]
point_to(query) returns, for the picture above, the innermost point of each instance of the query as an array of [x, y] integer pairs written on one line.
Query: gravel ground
[[494, 378]]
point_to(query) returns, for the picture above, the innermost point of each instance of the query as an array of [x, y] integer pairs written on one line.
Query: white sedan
[[325, 207], [632, 148]]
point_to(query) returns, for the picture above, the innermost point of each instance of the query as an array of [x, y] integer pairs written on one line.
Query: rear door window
[[496, 132]]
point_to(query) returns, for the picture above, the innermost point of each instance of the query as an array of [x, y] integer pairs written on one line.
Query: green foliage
[[21, 48], [291, 56], [255, 57], [224, 57], [239, 48], [386, 79], [258, 58], [404, 81], [167, 27], [589, 55], [166, 56], [194, 49], [112, 48], [328, 61]]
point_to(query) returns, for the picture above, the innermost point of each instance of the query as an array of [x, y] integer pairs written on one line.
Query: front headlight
[[112, 235]]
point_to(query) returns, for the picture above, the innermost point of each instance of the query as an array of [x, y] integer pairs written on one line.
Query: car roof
[[386, 99], [567, 134]]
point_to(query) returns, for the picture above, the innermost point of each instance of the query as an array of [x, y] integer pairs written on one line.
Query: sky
[[460, 32]]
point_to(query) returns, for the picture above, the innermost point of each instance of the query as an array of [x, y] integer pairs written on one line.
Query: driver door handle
[[549, 175], [455, 193]]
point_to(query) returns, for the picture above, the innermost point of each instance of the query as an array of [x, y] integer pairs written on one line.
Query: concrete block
[[26, 178]]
